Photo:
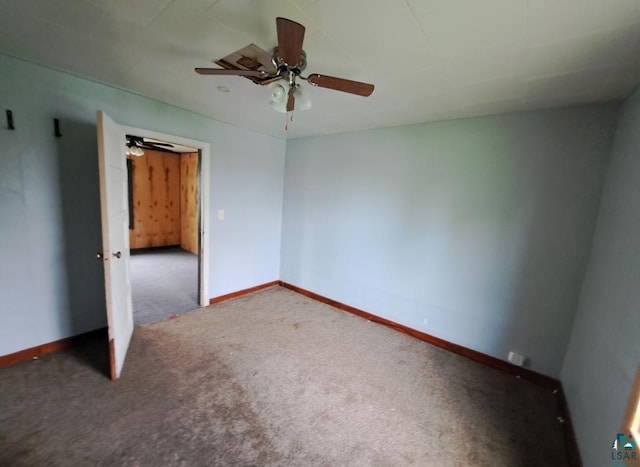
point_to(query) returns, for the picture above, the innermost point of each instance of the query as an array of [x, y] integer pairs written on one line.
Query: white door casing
[[205, 196], [115, 239]]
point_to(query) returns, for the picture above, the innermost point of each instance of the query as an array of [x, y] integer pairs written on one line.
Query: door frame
[[204, 197]]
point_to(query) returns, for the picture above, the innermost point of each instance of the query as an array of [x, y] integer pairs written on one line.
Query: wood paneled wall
[[189, 219], [156, 200]]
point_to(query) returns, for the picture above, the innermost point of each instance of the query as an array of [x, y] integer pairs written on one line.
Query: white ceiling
[[429, 59]]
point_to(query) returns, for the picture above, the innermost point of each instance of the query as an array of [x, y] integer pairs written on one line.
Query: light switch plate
[[220, 214]]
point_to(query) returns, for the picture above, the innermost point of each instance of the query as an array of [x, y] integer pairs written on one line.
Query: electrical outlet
[[220, 214], [516, 358], [425, 321]]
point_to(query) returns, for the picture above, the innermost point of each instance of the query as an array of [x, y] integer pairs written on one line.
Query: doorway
[[197, 284], [164, 226]]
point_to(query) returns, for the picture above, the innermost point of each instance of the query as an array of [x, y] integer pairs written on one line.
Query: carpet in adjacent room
[[164, 282]]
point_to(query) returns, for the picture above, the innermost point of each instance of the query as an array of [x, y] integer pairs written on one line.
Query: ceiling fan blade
[[290, 38], [291, 101], [340, 84], [224, 71]]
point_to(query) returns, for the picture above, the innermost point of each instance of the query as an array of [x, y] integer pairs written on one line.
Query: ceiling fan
[[286, 63], [135, 144]]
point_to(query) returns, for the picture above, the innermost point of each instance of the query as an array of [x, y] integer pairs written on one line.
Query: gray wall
[[481, 226], [51, 286], [604, 350]]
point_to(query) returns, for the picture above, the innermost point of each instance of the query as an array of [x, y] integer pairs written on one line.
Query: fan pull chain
[[288, 118]]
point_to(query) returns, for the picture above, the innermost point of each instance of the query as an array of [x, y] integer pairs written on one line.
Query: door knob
[[99, 256], [117, 255]]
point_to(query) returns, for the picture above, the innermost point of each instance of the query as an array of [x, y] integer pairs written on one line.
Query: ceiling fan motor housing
[[284, 68]]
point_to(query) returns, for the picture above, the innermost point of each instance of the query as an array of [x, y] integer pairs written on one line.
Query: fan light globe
[[280, 93], [134, 150], [303, 99]]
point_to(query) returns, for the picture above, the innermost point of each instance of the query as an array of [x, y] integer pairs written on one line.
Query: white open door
[[115, 238]]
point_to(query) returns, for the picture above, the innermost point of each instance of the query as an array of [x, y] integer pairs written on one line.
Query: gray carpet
[[273, 378], [164, 282]]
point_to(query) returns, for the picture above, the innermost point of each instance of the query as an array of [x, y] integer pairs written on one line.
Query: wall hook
[[56, 127], [10, 120]]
